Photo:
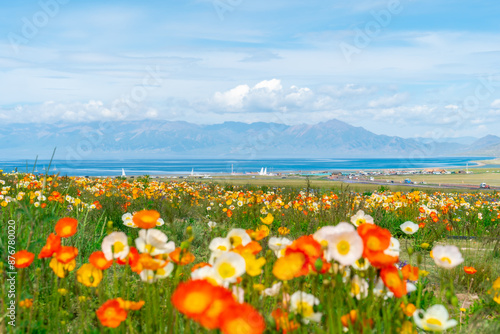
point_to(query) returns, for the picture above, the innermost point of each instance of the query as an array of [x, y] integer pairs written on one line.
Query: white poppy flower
[[303, 303], [409, 227], [359, 287], [154, 242], [394, 248], [361, 264], [238, 236], [229, 266], [239, 294], [219, 244], [115, 246], [361, 218], [447, 256], [324, 233], [345, 248], [206, 273], [272, 291], [128, 221], [380, 290], [278, 245], [435, 319]]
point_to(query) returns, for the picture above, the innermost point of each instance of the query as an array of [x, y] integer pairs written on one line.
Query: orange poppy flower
[[470, 270], [308, 246], [200, 265], [375, 241], [146, 218], [242, 319], [375, 238], [258, 234], [222, 299], [130, 305], [134, 260], [349, 318], [392, 280], [289, 266], [23, 259], [65, 254], [111, 313], [27, 303], [147, 262], [283, 322], [410, 272], [51, 246], [380, 259], [193, 298], [408, 309], [66, 227], [99, 261], [252, 247], [181, 257]]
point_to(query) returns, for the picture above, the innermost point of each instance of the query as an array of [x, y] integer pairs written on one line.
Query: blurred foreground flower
[[435, 319]]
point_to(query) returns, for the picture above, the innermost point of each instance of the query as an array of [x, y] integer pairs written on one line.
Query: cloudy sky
[[407, 68]]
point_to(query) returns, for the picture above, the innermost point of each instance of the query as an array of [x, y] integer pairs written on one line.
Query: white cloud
[[389, 101], [266, 95], [233, 98], [270, 85], [496, 104]]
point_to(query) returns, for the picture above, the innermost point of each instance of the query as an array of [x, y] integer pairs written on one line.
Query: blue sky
[[406, 68]]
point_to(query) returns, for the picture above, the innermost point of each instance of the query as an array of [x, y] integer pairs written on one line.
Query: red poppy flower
[[23, 259], [51, 246], [470, 270]]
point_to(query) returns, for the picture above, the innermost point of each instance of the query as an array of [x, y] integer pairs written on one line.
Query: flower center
[[305, 309], [149, 248], [434, 321], [343, 247], [392, 280], [118, 247], [446, 259], [226, 270], [236, 241], [373, 243], [355, 289]]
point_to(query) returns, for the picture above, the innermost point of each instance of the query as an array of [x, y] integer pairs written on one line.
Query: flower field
[[82, 255]]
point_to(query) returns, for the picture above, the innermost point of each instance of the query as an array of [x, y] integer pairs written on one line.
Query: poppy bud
[[318, 265]]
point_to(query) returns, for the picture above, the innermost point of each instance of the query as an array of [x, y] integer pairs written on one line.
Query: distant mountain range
[[165, 139]]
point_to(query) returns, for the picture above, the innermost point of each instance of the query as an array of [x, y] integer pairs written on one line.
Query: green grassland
[[184, 207]]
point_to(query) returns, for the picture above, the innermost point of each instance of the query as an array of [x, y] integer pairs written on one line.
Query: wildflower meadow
[[115, 255]]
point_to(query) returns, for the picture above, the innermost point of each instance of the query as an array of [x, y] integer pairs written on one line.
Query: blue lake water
[[214, 166]]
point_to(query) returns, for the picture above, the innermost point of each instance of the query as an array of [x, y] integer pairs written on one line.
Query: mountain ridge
[[164, 139]]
